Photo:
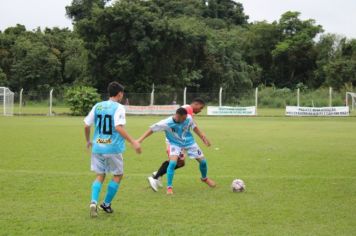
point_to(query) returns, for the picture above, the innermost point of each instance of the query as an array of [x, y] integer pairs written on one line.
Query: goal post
[[353, 100], [6, 102]]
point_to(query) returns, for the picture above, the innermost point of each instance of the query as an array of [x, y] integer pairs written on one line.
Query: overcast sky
[[335, 16]]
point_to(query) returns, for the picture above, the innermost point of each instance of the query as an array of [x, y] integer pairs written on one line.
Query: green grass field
[[300, 175]]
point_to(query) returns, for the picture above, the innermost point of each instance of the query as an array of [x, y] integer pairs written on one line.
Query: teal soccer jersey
[[176, 133], [105, 116]]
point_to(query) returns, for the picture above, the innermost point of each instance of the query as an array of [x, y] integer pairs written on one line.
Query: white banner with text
[[231, 111], [152, 110], [317, 111]]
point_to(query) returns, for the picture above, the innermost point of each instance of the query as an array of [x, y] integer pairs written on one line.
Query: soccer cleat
[[93, 209], [169, 191], [153, 183], [209, 182], [159, 182], [106, 208]]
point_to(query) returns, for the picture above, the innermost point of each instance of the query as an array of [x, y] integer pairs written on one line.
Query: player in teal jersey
[[177, 129], [108, 145]]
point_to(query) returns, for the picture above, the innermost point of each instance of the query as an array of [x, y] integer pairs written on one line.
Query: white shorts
[[107, 163], [181, 155], [193, 151]]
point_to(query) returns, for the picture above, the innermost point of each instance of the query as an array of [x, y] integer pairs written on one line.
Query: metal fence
[[270, 101]]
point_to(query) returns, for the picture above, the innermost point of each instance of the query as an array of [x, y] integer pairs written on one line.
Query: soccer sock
[[203, 168], [112, 190], [162, 170], [95, 191], [170, 172]]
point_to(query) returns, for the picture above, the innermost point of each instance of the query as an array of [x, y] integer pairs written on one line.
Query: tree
[[259, 41], [229, 11], [341, 68], [38, 60], [340, 72], [35, 66], [294, 56], [3, 79], [326, 48], [167, 43], [82, 9], [81, 99]]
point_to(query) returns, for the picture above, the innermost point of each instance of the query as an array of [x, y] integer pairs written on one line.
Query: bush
[[81, 99]]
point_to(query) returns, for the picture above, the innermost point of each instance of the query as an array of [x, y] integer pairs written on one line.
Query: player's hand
[[89, 145], [206, 141], [137, 146]]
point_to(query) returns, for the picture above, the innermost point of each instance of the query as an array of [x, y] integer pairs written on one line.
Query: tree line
[[199, 44]]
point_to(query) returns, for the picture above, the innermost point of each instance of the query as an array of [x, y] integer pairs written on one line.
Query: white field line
[[143, 175]]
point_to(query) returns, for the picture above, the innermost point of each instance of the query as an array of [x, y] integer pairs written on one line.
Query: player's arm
[[201, 136], [87, 135], [120, 121], [88, 121], [145, 135], [160, 126], [121, 130]]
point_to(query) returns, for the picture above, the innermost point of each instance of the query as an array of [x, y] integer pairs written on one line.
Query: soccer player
[[108, 145], [196, 106], [178, 133]]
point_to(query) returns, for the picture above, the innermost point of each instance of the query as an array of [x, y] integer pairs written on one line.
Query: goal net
[[6, 102], [351, 100]]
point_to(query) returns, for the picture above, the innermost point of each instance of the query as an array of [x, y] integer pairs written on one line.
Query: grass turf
[[300, 175]]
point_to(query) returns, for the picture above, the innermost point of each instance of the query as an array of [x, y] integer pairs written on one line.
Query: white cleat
[[153, 183], [93, 210], [159, 182]]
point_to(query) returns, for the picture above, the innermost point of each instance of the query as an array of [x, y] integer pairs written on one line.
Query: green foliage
[[231, 12], [36, 65], [3, 80], [340, 68], [81, 99], [39, 60], [340, 72], [166, 43], [199, 44], [294, 55]]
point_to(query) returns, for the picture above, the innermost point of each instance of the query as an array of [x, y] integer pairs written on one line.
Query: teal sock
[[111, 192], [95, 191], [170, 172], [203, 168]]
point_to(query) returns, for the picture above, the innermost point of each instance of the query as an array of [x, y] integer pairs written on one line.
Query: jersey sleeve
[[189, 109], [120, 116], [89, 119], [192, 123], [159, 126]]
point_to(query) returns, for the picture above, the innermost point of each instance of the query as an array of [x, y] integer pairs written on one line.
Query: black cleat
[[106, 208]]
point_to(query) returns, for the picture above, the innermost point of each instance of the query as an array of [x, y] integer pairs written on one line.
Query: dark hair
[[114, 88], [181, 111], [199, 100]]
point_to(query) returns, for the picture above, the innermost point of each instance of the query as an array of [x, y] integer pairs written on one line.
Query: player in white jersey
[[180, 139], [108, 145]]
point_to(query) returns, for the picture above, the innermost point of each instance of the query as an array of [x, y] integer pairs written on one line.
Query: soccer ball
[[238, 185]]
